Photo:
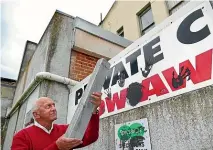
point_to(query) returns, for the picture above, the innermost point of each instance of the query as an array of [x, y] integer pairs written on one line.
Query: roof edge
[[8, 79], [101, 33]]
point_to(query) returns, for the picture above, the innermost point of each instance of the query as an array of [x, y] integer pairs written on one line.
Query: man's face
[[47, 110]]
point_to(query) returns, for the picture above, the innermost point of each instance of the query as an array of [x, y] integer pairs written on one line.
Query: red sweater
[[34, 138]]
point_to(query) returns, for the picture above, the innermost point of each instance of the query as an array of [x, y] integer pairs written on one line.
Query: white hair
[[35, 107]]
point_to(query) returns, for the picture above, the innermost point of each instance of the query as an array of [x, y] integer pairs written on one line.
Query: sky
[[23, 20]]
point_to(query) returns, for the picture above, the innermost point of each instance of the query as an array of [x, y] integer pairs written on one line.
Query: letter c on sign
[[184, 34]]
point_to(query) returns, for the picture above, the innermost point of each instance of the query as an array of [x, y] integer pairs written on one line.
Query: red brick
[[81, 66]]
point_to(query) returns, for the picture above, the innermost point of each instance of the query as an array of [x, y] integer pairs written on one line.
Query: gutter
[[37, 80]]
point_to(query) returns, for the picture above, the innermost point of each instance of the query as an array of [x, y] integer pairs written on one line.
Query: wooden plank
[[85, 108]]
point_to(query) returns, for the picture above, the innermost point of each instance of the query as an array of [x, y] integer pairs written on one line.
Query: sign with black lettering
[[132, 135], [173, 58]]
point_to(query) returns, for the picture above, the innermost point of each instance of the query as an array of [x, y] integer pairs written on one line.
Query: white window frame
[[140, 14]]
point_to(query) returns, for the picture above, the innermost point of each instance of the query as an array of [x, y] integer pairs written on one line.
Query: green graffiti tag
[[126, 132]]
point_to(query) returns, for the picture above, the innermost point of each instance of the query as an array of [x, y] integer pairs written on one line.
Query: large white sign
[[172, 59], [132, 135]]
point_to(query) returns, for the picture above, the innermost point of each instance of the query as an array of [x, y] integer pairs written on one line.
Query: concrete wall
[[7, 94], [180, 123], [118, 16], [28, 53], [53, 51], [22, 118], [20, 87], [38, 61], [10, 131]]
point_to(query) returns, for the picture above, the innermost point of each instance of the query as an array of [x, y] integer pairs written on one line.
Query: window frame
[[140, 14], [120, 31], [175, 6]]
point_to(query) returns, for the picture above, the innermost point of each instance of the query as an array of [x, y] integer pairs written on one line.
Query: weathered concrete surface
[[180, 123], [11, 129], [23, 109], [54, 49], [7, 94], [61, 43], [37, 62], [19, 88], [28, 53], [21, 116], [5, 103]]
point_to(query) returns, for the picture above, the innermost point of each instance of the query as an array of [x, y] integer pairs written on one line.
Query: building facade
[[158, 93], [66, 53], [7, 93], [133, 19]]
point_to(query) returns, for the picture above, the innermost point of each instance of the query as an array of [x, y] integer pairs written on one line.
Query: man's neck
[[45, 124]]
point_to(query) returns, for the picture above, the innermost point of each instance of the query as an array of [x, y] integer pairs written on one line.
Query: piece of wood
[[83, 113]]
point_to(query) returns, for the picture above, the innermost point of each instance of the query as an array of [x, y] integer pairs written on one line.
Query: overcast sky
[[23, 20]]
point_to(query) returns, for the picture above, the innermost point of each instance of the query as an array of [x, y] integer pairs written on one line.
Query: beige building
[[132, 19]]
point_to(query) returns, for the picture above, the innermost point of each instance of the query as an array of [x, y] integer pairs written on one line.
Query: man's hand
[[64, 143], [96, 100]]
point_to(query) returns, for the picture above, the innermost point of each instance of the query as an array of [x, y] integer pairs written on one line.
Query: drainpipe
[[37, 80]]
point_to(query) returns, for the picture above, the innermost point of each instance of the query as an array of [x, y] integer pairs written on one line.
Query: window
[[175, 5], [146, 20], [120, 31]]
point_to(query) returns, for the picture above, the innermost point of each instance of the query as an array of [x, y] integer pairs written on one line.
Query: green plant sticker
[[124, 133], [137, 129]]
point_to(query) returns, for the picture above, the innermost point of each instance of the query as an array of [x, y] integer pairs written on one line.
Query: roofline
[[57, 11], [107, 13], [7, 79], [92, 29], [24, 53], [87, 27], [63, 13], [101, 33]]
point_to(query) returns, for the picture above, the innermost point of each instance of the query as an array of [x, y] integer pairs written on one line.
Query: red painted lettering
[[158, 87], [102, 108], [119, 102], [201, 73]]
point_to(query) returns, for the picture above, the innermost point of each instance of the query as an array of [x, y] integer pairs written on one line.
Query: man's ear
[[36, 115]]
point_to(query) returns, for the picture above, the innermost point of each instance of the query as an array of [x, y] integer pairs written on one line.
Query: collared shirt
[[43, 128]]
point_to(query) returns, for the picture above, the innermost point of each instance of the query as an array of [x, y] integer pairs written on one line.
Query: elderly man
[[44, 135]]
